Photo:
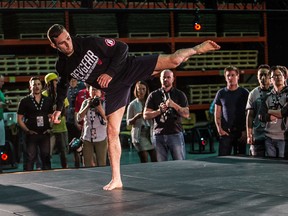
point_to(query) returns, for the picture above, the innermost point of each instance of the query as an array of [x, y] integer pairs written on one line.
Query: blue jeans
[[173, 143], [274, 148]]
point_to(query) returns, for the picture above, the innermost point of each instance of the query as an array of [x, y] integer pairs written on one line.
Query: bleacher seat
[[145, 53], [140, 26], [30, 25], [27, 65], [98, 24], [15, 95], [205, 93], [221, 59]]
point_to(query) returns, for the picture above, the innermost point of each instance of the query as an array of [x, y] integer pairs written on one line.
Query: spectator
[[72, 128], [33, 117], [94, 132], [80, 97], [283, 112], [275, 123], [256, 128], [59, 136], [2, 106], [73, 90], [230, 103], [142, 130], [166, 106]]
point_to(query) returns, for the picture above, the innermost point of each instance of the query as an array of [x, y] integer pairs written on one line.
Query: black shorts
[[138, 69]]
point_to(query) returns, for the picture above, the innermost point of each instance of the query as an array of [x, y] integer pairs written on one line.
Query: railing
[[27, 65], [205, 94], [14, 96], [39, 65], [221, 59]]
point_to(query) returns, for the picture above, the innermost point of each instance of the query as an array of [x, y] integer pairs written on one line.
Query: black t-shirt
[[94, 56], [233, 105], [36, 114], [169, 122]]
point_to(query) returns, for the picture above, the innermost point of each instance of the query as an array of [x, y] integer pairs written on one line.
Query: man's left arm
[[182, 111], [181, 104], [118, 52]]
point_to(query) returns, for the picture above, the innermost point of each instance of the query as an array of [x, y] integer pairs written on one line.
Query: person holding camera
[[94, 130], [166, 106]]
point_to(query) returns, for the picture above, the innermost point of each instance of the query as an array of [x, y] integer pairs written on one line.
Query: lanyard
[[37, 106]]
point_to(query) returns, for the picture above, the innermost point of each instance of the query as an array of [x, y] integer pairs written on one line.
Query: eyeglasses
[[263, 74], [277, 76]]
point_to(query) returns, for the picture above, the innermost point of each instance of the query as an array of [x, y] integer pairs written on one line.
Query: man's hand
[[170, 103], [163, 107], [55, 117], [221, 132], [206, 46], [104, 80], [276, 113], [243, 138], [31, 132]]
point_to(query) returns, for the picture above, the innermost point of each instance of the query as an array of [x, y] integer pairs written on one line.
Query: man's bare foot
[[113, 185], [206, 46]]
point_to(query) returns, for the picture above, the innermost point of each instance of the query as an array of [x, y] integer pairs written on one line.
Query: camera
[[75, 145], [95, 102]]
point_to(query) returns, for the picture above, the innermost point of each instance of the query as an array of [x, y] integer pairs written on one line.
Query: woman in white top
[[141, 133], [94, 129]]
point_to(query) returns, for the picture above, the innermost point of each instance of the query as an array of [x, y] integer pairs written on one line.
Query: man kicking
[[104, 63]]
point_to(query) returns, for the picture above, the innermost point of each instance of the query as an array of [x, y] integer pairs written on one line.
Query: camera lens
[[95, 102]]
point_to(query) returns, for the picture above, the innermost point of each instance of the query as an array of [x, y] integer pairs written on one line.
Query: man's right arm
[[62, 85], [21, 123], [249, 126], [150, 113], [217, 115], [151, 110]]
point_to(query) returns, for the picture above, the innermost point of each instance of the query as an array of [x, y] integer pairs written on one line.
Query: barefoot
[[113, 185], [206, 46]]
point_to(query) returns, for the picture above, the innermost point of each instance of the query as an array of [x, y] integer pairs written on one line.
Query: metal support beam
[[132, 4]]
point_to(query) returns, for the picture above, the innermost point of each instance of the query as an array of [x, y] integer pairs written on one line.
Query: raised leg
[[172, 61]]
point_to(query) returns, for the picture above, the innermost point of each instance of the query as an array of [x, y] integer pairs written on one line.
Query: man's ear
[[53, 45]]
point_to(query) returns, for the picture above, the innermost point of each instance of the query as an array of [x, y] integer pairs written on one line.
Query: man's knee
[[176, 59], [169, 61], [112, 134]]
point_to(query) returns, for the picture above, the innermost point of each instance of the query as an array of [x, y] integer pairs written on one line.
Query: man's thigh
[[176, 146], [225, 146], [161, 148]]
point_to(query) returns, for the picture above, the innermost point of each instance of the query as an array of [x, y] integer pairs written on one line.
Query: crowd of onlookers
[[80, 118], [257, 118], [154, 116]]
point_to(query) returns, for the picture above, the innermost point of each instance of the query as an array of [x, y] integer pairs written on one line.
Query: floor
[[205, 186]]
